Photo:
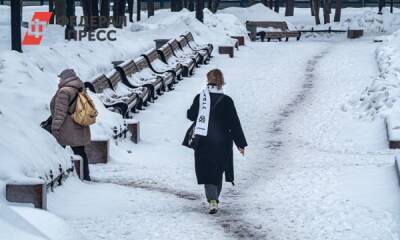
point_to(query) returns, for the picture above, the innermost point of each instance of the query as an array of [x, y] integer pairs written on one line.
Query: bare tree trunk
[[381, 5], [312, 8], [326, 12], [51, 9], [270, 4], [391, 6], [150, 8], [70, 32], [216, 6], [16, 21], [316, 4], [191, 5], [139, 9], [199, 10], [276, 6], [173, 5], [95, 8], [119, 13], [338, 10], [130, 10], [87, 13], [289, 11], [329, 6], [61, 12], [209, 4], [105, 12], [179, 5]]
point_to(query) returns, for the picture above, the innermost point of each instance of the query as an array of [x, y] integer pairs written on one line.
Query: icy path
[[326, 175], [311, 171]]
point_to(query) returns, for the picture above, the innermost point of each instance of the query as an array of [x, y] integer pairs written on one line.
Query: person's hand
[[241, 150]]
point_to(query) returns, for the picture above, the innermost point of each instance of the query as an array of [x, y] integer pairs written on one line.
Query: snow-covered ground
[[313, 169]]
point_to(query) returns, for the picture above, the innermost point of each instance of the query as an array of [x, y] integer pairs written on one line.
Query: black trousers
[[80, 150]]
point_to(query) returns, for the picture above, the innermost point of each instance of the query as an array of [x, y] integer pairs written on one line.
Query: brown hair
[[215, 77]]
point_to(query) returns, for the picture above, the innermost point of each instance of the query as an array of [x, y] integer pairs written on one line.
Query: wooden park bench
[[147, 72], [111, 100], [161, 68], [190, 56], [132, 78], [197, 47], [166, 54], [252, 27], [201, 56], [117, 84]]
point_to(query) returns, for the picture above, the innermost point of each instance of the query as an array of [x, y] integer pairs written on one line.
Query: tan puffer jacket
[[64, 129]]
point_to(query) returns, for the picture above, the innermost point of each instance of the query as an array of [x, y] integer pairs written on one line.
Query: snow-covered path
[[311, 171]]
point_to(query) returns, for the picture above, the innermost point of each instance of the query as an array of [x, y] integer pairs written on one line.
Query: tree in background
[[381, 5], [338, 10], [150, 8], [191, 5], [179, 5], [276, 6], [70, 32], [289, 8], [95, 8], [51, 9], [130, 9], [61, 11], [316, 4], [199, 10], [105, 11], [215, 6], [312, 8], [119, 13], [327, 11], [16, 21], [173, 6]]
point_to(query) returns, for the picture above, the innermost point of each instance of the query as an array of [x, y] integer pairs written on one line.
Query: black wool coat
[[213, 153]]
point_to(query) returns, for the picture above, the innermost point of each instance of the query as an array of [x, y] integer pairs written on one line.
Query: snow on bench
[[393, 130]]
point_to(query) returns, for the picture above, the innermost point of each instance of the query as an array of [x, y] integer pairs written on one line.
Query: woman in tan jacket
[[63, 128]]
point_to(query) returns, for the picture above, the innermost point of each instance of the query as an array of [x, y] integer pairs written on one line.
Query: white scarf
[[204, 110]]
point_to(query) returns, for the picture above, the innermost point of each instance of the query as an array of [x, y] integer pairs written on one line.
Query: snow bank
[[18, 223], [381, 97], [364, 18], [257, 12]]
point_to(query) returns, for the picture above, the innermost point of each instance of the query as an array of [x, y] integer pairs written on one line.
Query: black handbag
[[190, 137], [46, 125]]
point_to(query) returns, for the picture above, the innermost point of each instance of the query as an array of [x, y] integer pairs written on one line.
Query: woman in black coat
[[213, 152]]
